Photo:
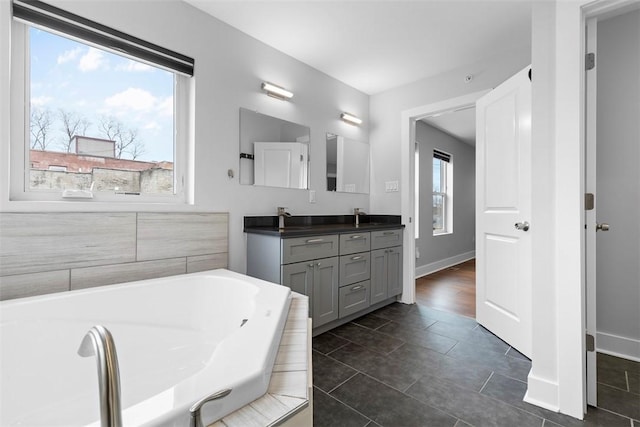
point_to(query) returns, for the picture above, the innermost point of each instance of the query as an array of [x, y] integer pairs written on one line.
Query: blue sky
[[95, 84]]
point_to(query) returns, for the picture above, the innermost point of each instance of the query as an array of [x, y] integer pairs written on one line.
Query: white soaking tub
[[178, 339]]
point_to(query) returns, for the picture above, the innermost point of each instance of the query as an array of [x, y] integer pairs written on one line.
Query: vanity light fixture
[[276, 91], [351, 119]]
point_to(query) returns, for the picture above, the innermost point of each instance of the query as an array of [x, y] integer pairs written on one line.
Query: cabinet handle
[[357, 288], [315, 240], [311, 265], [357, 236], [357, 257], [318, 264], [388, 233], [390, 250]]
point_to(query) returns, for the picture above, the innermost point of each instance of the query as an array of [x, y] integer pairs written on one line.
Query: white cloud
[[69, 55], [40, 101], [165, 107], [132, 99], [151, 125], [134, 66], [92, 60]]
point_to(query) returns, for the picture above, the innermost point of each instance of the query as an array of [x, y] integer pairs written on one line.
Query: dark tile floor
[[412, 365]]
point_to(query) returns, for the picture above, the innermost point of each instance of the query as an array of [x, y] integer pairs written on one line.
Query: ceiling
[[377, 45], [460, 124]]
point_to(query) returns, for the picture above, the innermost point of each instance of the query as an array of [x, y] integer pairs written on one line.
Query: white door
[[503, 211], [280, 164]]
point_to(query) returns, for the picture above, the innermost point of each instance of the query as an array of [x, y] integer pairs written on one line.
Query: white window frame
[[446, 177], [19, 156]]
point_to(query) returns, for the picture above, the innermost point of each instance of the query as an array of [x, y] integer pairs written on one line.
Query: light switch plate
[[312, 196], [391, 186]]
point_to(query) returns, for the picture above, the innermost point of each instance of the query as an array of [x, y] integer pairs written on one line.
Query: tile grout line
[[485, 383], [333, 389], [348, 406], [626, 377]]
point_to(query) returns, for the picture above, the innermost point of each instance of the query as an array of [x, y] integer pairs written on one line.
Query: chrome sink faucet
[[99, 342], [357, 212], [282, 213]]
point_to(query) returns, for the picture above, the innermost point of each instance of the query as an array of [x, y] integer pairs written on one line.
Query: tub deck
[[288, 401]]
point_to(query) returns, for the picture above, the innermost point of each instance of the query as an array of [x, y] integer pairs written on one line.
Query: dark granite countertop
[[300, 226]]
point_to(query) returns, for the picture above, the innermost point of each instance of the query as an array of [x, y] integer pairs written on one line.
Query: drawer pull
[[311, 265], [357, 236], [390, 250], [357, 288], [357, 257], [388, 233], [315, 240]]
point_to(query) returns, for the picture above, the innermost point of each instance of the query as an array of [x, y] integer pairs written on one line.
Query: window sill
[[443, 233]]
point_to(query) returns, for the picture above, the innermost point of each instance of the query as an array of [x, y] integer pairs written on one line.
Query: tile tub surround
[[412, 365], [50, 252], [289, 392]]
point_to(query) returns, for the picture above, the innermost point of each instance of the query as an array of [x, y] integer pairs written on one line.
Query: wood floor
[[452, 289]]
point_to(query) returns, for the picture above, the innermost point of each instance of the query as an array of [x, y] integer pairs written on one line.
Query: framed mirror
[[347, 165], [273, 152]]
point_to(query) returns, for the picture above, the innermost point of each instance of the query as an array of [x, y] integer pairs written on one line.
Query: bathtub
[[178, 339]]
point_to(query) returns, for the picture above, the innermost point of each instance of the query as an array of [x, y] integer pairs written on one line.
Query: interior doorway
[[611, 175], [445, 210]]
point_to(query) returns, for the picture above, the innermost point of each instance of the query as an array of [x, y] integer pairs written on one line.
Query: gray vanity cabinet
[[386, 265], [342, 274]]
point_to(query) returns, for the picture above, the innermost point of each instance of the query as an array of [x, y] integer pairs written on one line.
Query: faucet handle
[[282, 210]]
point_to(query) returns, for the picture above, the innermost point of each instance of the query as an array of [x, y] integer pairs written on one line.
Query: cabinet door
[[394, 271], [299, 278], [378, 275], [325, 291]]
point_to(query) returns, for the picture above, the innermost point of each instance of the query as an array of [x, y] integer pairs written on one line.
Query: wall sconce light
[[351, 119], [276, 91]]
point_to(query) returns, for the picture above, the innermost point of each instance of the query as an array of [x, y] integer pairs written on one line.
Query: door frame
[[407, 180]]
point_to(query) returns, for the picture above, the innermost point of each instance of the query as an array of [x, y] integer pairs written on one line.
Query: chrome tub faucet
[[99, 342]]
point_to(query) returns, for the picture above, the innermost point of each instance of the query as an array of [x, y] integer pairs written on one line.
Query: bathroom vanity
[[344, 269]]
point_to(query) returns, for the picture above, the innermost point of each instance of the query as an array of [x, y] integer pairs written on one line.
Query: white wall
[[618, 157], [386, 109], [437, 252], [229, 69]]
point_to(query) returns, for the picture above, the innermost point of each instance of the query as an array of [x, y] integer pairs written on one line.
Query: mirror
[[347, 165], [273, 152]]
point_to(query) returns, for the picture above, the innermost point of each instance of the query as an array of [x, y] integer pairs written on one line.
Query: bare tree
[[72, 124], [126, 139], [40, 125]]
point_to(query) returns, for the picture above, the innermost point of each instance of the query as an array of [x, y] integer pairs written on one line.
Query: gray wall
[[230, 67], [618, 157], [437, 252]]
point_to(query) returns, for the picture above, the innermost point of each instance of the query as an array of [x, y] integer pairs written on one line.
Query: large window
[[442, 193], [104, 112]]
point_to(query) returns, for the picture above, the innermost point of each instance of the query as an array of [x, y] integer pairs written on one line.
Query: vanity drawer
[[386, 238], [353, 298], [355, 268], [352, 243], [306, 248]]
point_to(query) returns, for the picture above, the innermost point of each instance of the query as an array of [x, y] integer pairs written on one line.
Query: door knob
[[524, 226], [603, 226]]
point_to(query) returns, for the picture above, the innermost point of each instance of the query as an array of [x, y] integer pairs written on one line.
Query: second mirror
[[347, 165]]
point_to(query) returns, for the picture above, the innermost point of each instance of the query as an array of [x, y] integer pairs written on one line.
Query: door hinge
[[589, 201], [591, 343], [590, 61]]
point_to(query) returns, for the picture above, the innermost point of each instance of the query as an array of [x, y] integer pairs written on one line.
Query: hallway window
[[442, 193]]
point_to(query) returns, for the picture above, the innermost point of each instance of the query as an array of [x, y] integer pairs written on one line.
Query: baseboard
[[615, 345], [541, 392], [423, 270]]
